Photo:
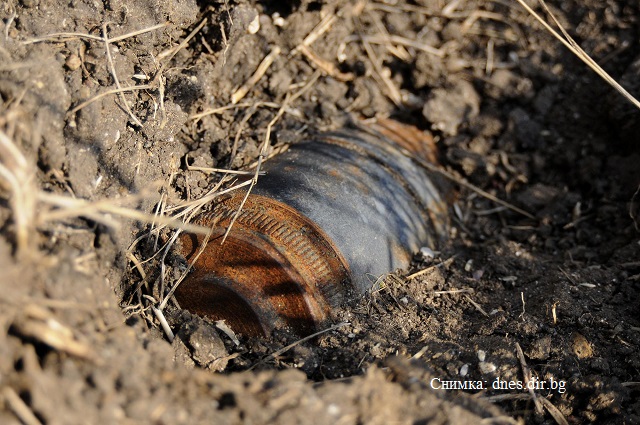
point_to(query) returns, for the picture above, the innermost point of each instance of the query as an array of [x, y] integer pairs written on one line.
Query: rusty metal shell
[[330, 215]]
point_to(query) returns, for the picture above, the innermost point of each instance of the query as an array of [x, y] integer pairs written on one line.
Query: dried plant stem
[[298, 342], [107, 93], [571, 44], [253, 80], [16, 177], [100, 210], [526, 373], [114, 74], [19, 407], [65, 36], [265, 144]]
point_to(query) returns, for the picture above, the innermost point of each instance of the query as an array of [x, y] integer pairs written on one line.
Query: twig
[[64, 36], [326, 66], [107, 93], [112, 68], [436, 169], [553, 410], [169, 54], [19, 407], [298, 342], [454, 291], [477, 306], [260, 71], [265, 144], [445, 263], [570, 44], [69, 207], [163, 322], [527, 378]]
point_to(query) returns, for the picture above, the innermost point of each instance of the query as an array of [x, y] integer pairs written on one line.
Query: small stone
[[427, 253], [73, 62], [487, 367], [464, 370], [468, 266], [254, 26]]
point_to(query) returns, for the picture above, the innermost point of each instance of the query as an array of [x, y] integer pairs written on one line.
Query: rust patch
[[414, 140], [276, 269]]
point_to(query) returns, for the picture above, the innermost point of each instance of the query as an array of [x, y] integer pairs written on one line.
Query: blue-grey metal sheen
[[376, 203]]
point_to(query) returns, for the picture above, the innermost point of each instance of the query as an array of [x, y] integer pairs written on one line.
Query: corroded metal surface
[[331, 215], [276, 268]]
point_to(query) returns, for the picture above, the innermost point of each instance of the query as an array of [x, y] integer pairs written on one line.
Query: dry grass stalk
[[221, 109], [169, 54], [436, 169], [68, 36], [254, 180], [101, 211], [107, 93], [454, 291], [19, 407], [571, 44], [555, 413], [156, 84], [17, 177], [253, 80], [477, 306], [39, 324], [283, 350], [387, 85], [445, 264], [526, 372], [114, 74], [328, 67], [265, 145], [316, 60], [398, 40], [212, 170], [323, 26], [634, 208], [163, 322], [448, 11]]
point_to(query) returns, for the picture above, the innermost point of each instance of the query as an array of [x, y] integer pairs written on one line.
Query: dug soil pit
[[118, 119]]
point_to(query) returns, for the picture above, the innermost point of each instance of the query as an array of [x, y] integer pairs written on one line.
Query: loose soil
[[512, 112]]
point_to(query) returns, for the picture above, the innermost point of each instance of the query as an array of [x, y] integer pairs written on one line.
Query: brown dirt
[[78, 343]]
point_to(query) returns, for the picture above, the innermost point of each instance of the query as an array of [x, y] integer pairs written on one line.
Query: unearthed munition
[[330, 216]]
